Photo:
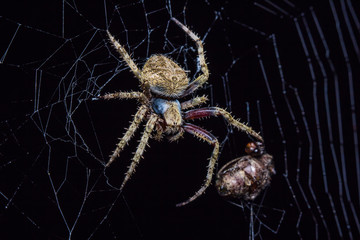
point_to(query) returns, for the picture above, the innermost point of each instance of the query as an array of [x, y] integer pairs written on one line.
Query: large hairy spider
[[245, 177], [163, 83]]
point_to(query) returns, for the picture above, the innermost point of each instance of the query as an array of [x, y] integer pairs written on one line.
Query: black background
[[169, 172]]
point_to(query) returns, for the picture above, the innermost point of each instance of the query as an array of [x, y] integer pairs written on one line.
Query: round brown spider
[[245, 177], [163, 82]]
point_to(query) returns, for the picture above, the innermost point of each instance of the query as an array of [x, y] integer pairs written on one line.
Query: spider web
[[289, 69]]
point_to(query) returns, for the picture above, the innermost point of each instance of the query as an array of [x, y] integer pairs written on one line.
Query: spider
[[245, 177], [163, 82]]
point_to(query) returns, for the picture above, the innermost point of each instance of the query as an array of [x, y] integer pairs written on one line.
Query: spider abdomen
[[164, 76]]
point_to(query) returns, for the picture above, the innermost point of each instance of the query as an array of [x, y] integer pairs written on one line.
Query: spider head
[[169, 110], [164, 77], [255, 149]]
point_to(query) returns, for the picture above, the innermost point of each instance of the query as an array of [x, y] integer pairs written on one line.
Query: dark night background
[[55, 139]]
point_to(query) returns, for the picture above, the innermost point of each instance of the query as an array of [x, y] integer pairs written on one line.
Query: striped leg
[[216, 111], [211, 139]]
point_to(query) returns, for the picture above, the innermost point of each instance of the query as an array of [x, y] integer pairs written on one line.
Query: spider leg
[[177, 136], [212, 140], [200, 80], [140, 149], [125, 56], [129, 133], [123, 95], [216, 111], [193, 102], [159, 131], [126, 95]]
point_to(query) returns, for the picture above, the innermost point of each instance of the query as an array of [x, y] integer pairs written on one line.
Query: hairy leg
[[126, 95], [122, 95], [194, 102], [159, 132], [216, 111], [177, 136], [211, 139], [129, 133], [125, 56], [200, 80], [140, 149]]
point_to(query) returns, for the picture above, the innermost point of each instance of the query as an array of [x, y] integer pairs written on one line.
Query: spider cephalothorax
[[245, 177], [163, 83], [170, 110]]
